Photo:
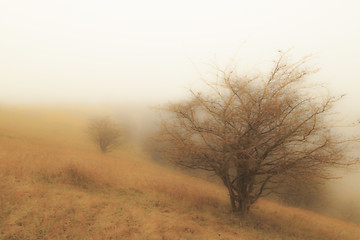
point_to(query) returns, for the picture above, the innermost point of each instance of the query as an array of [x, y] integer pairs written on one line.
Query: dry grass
[[57, 186]]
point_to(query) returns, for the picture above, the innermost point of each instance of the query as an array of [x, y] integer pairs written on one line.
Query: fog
[[147, 53]]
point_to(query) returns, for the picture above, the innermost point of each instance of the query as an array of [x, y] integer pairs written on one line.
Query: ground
[[55, 184]]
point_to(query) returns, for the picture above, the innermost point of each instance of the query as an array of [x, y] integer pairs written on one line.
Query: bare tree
[[255, 133], [105, 133]]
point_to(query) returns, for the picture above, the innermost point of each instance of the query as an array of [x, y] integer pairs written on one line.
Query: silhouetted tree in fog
[[105, 133], [255, 133]]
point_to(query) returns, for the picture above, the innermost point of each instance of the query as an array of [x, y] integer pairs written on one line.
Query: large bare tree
[[255, 133]]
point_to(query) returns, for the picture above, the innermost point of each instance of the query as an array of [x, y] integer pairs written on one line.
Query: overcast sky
[[130, 51]]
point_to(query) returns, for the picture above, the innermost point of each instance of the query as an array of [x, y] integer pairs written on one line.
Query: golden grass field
[[56, 185]]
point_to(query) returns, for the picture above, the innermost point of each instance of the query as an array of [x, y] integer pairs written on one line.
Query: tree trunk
[[244, 207], [238, 203], [232, 202], [242, 188], [231, 193], [239, 200], [240, 206]]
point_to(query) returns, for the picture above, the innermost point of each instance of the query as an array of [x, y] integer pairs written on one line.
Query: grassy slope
[[55, 185]]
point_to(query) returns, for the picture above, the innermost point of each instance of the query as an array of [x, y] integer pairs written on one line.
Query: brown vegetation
[[105, 133], [256, 133], [58, 187]]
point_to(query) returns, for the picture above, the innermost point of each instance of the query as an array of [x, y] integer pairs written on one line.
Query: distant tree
[[255, 133], [105, 133], [308, 193]]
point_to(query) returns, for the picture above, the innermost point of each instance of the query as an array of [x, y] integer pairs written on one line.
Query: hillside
[[56, 185]]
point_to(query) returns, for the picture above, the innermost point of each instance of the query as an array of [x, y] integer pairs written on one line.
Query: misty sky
[[151, 51]]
